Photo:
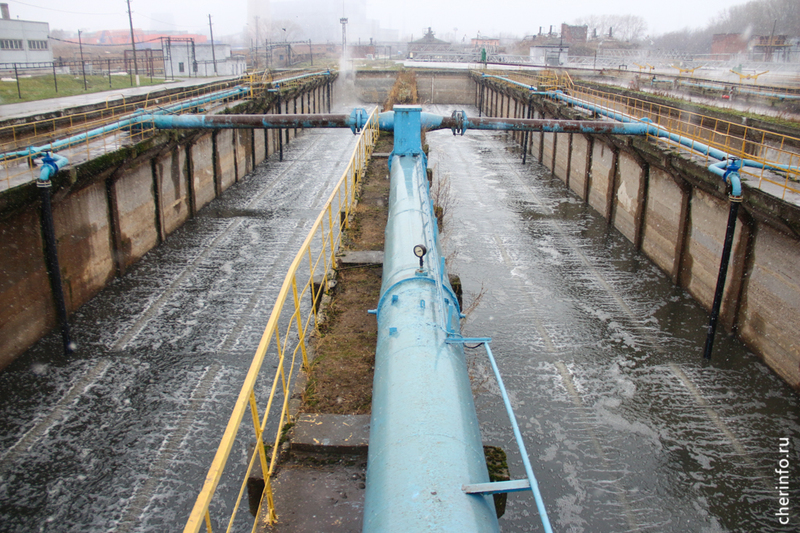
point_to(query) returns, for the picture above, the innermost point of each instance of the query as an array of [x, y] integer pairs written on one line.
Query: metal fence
[[88, 134], [775, 157], [293, 317]]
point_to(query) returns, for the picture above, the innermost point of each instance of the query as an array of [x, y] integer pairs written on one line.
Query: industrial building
[[23, 41]]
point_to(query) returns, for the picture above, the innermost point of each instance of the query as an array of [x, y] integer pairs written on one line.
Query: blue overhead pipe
[[134, 119]]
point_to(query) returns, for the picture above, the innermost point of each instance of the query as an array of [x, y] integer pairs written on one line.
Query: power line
[[61, 10], [103, 45]]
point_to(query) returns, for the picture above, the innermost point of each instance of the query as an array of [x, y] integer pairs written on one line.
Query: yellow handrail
[[319, 248]]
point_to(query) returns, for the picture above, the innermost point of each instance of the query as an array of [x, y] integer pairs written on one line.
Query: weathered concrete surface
[[578, 171], [84, 242], [770, 315], [602, 175], [203, 184], [628, 198], [548, 149], [226, 158], [28, 307], [173, 191], [259, 145], [312, 498], [244, 153], [361, 258], [134, 214], [562, 156], [663, 220], [326, 433], [705, 239]]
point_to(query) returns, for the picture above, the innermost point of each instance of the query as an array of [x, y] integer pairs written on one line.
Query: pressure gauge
[[420, 251]]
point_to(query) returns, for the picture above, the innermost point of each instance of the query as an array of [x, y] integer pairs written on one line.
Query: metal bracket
[[497, 487]]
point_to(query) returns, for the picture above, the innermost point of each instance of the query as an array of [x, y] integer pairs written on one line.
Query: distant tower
[[343, 21], [259, 20]]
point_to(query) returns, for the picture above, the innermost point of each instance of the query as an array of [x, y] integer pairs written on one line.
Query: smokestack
[[4, 10]]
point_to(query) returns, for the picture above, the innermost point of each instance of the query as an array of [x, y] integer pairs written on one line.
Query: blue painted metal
[[51, 164], [425, 441], [498, 487], [728, 170], [523, 452], [135, 119]]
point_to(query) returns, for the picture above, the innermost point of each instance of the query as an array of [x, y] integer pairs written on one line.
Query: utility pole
[[256, 54], [133, 43], [213, 54], [83, 65], [310, 52]]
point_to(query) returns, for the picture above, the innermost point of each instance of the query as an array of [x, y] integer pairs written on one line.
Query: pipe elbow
[[736, 184]]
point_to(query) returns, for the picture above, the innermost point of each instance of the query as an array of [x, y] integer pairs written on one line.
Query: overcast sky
[[469, 16]]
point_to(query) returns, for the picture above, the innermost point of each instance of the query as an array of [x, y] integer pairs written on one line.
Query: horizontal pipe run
[[132, 120], [555, 126], [247, 121]]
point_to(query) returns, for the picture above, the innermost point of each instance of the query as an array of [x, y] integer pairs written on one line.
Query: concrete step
[[366, 257], [331, 434]]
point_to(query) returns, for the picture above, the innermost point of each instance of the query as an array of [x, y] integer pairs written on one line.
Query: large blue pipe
[[425, 442]]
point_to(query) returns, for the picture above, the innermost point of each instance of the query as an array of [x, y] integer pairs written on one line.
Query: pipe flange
[[460, 120]]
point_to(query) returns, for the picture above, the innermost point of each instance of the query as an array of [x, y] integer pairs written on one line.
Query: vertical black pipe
[[723, 272], [480, 103], [525, 135], [53, 270], [280, 130], [329, 97], [55, 79]]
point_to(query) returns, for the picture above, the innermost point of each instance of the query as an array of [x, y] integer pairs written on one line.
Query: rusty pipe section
[[459, 125], [458, 122], [247, 121]]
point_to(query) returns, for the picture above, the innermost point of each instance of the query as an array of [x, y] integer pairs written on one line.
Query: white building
[[183, 61], [23, 41]]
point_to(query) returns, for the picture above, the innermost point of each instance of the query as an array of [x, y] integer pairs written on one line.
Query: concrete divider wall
[[433, 86], [675, 212], [109, 212]]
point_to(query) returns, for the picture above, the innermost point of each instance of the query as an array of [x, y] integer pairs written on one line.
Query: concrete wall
[[676, 213], [110, 212], [433, 86]]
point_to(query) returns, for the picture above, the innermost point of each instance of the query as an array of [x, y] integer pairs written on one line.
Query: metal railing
[[19, 169], [112, 132], [293, 317], [776, 157]]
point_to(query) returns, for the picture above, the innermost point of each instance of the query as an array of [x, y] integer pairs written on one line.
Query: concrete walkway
[[26, 109]]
